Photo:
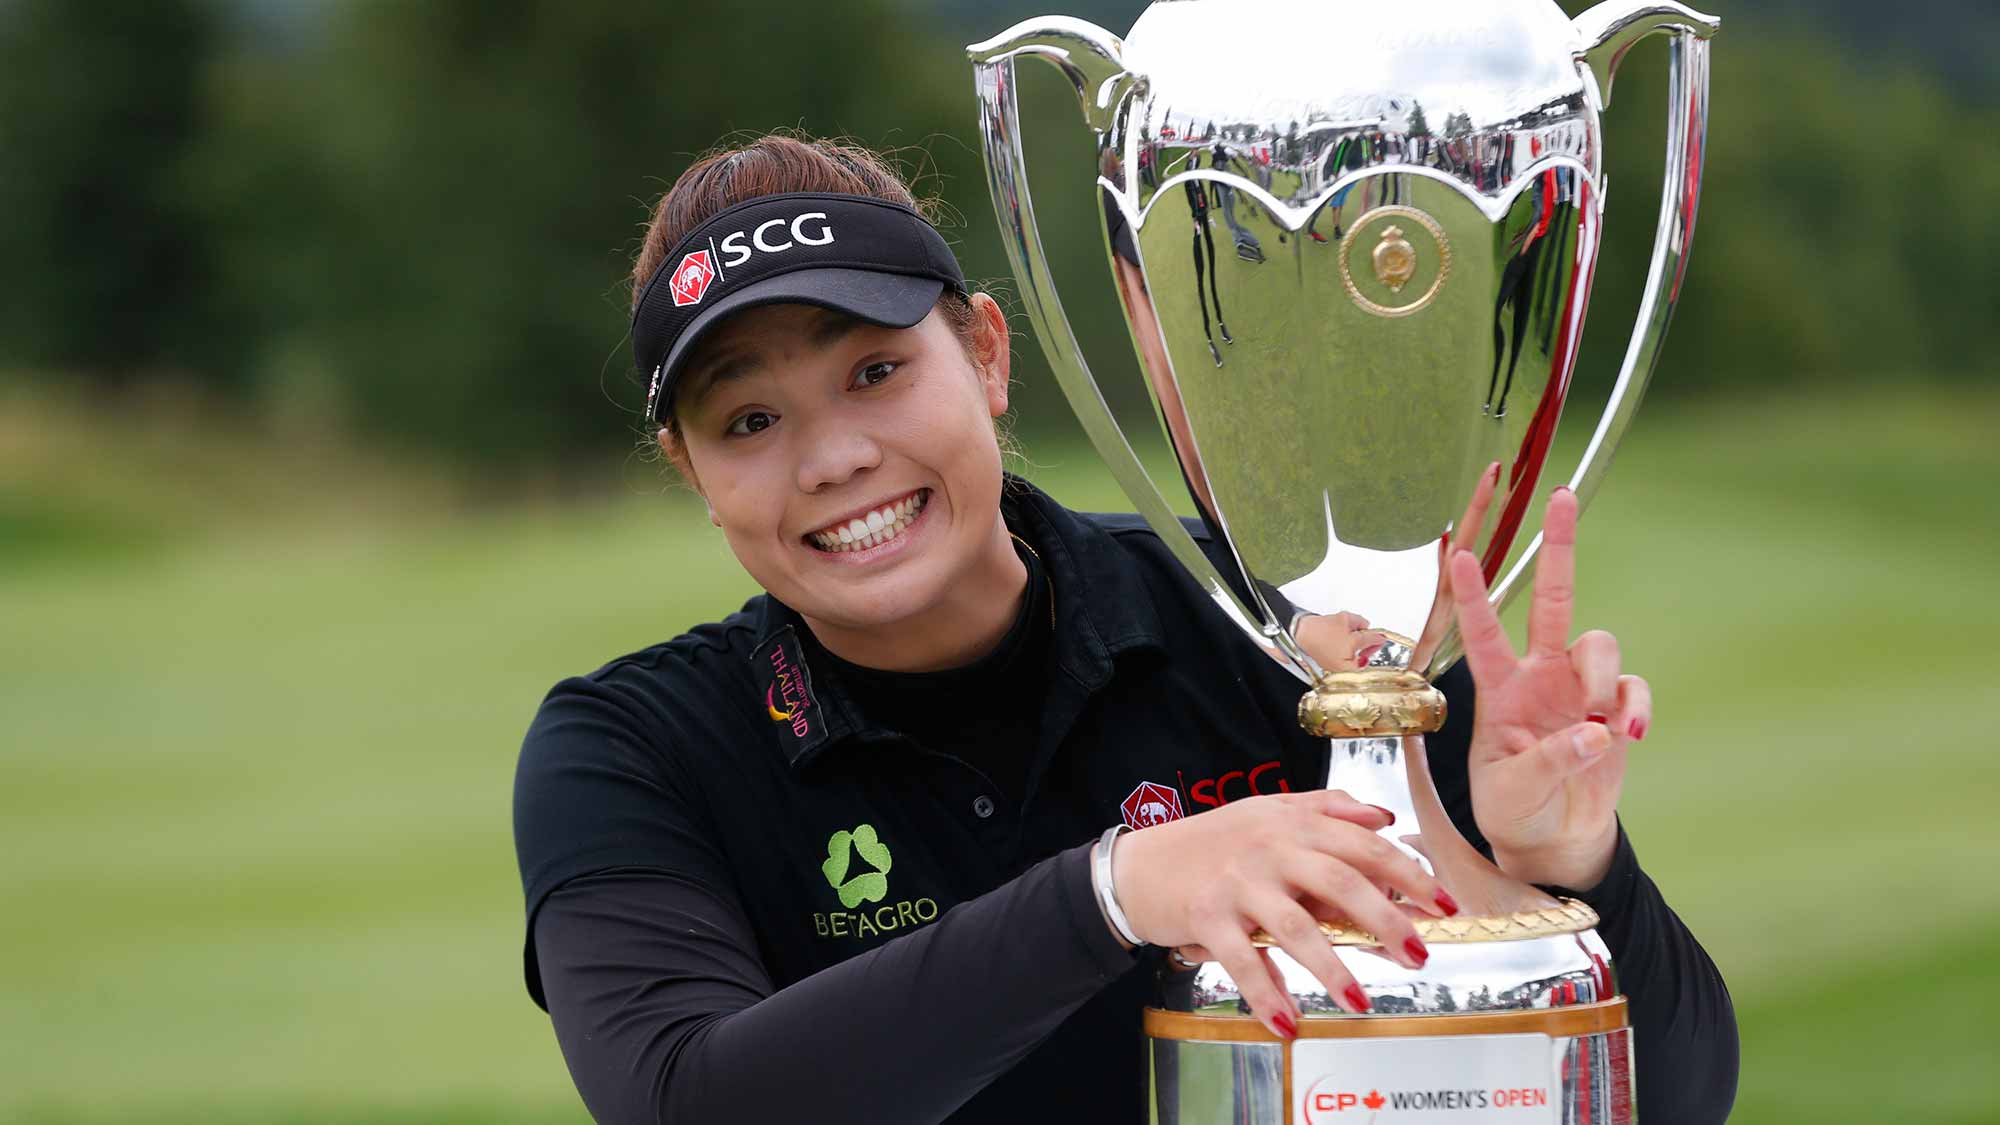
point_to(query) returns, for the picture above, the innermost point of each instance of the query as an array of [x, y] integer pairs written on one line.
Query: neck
[[971, 620]]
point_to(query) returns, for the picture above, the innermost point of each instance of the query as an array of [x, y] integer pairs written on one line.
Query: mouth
[[872, 528]]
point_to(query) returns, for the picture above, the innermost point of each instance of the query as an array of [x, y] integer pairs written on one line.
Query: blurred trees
[[417, 217], [1846, 225], [103, 243], [443, 204]]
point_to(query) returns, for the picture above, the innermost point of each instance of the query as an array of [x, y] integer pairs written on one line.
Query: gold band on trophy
[[1560, 1023], [1568, 917], [1371, 703]]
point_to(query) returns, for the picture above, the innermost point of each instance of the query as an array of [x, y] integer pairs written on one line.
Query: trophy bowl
[[1354, 245]]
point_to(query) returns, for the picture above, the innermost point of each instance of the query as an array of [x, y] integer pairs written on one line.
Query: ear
[[993, 349], [677, 456]]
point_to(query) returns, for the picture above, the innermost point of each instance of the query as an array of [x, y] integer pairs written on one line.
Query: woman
[[829, 858]]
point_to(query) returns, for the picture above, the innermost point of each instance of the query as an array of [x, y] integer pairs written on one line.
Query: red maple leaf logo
[[690, 279], [1373, 1100]]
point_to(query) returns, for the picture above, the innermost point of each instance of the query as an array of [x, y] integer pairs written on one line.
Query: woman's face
[[853, 468]]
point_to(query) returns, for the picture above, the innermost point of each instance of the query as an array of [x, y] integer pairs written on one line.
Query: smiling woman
[[800, 424], [847, 847]]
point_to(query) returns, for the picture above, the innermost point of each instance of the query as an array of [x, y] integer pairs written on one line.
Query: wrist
[[1572, 866], [1103, 857]]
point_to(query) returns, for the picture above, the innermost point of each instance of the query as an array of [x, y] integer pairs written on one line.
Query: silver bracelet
[[1107, 894]]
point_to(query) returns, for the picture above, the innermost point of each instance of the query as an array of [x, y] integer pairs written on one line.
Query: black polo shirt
[[751, 884]]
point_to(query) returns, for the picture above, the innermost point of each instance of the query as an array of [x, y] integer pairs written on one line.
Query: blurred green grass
[[254, 783]]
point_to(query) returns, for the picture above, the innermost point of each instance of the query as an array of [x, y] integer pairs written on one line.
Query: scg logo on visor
[[735, 253], [691, 278]]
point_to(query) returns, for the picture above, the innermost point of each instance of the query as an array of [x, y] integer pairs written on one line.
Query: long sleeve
[[665, 1013], [1683, 1023]]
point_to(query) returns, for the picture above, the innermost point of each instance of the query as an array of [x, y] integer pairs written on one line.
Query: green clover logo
[[868, 885]]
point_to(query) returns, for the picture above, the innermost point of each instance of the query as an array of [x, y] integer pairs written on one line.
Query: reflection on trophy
[[1408, 202]]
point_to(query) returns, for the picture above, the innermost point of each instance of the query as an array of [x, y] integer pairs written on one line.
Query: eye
[[753, 422], [874, 373]]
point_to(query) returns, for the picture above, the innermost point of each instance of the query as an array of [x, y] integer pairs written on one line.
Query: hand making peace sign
[[1549, 735]]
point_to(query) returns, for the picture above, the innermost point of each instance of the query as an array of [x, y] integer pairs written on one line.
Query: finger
[[1486, 647], [1555, 578], [1337, 804], [1270, 1004], [1337, 640], [1465, 536], [1372, 861], [1367, 643], [1561, 755], [1635, 707], [1277, 976], [1298, 934], [1337, 888], [1594, 657]]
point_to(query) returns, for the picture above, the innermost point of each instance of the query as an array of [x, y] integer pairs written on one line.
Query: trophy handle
[[1093, 61], [1607, 33]]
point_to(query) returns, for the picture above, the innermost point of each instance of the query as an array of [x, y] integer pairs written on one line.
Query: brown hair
[[776, 164]]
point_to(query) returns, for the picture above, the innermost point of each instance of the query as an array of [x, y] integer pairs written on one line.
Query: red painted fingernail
[[1357, 1000], [1563, 488], [1362, 658], [1600, 720], [1287, 1026], [1447, 903], [1638, 729], [1384, 812], [1416, 950]]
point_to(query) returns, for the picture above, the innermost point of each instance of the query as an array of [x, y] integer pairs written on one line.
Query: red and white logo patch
[[1151, 804], [691, 279]]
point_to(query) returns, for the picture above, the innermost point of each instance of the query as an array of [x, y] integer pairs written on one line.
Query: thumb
[[1568, 751]]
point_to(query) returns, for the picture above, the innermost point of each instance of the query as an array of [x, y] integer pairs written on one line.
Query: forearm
[[905, 1032], [1683, 1024]]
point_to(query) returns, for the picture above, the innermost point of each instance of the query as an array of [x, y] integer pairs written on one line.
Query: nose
[[832, 452]]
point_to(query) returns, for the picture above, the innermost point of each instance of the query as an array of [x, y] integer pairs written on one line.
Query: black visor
[[873, 260]]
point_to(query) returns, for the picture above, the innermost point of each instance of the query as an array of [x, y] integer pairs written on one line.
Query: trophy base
[[1529, 1031], [1557, 1066]]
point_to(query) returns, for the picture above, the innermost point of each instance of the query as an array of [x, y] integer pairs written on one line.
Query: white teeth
[[876, 528]]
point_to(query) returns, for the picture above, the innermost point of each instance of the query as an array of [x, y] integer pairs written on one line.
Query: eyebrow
[[827, 329]]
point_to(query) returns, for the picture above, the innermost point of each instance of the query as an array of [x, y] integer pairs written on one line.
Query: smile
[[873, 528]]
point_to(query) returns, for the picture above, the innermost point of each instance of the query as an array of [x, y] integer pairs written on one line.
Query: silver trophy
[[1354, 244]]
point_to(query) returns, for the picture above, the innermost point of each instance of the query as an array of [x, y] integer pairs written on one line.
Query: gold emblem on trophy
[[1395, 259], [1407, 260]]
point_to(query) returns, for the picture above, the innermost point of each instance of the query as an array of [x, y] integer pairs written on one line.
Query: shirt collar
[[1104, 611]]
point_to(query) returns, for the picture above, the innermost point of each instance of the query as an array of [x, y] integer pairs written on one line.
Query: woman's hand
[[1340, 641], [1278, 863], [1551, 725]]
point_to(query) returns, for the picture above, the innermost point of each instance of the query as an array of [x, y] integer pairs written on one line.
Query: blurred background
[[319, 464]]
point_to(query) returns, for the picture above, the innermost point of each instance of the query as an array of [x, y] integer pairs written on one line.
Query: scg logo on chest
[[1234, 785]]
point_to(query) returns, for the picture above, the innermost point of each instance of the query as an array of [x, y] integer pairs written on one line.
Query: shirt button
[[982, 807]]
